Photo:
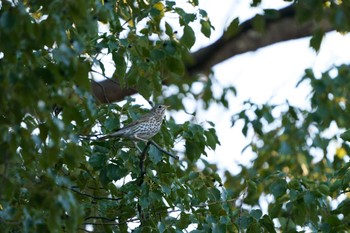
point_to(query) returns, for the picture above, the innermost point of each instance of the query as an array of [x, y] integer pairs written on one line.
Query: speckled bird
[[142, 129]]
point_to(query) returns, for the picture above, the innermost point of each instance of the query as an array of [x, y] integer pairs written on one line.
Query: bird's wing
[[125, 128], [131, 124], [138, 121]]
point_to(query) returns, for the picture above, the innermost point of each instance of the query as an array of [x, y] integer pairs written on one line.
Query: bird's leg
[[141, 139], [138, 148]]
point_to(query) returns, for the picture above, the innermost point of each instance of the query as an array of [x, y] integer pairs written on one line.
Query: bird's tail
[[116, 134], [89, 137], [101, 137], [104, 137]]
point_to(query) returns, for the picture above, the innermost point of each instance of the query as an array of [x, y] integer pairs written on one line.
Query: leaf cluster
[[300, 159]]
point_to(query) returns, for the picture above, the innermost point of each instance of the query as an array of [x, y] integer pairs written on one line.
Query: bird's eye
[[159, 106]]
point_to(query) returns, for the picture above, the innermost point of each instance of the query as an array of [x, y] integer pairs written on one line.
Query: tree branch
[[95, 197], [108, 91], [163, 151], [286, 27]]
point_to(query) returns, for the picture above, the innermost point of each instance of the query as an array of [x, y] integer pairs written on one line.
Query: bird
[[142, 129]]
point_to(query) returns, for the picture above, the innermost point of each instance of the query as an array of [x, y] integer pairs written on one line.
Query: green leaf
[[175, 65], [278, 188], [144, 87], [188, 37], [217, 210], [232, 29], [112, 123], [288, 224], [255, 3], [115, 172], [97, 161], [252, 187], [256, 213], [259, 23], [212, 139], [299, 210], [206, 28], [254, 227], [316, 40], [193, 150], [267, 223], [245, 221], [161, 227], [184, 221], [120, 64], [346, 135], [324, 189], [271, 13], [169, 30], [335, 186], [157, 55], [155, 155], [187, 18]]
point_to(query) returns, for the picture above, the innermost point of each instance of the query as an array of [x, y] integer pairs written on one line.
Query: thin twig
[[101, 218], [94, 197], [112, 223], [143, 157], [111, 79], [244, 194], [164, 151]]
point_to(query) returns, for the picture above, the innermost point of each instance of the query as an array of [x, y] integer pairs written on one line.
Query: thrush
[[142, 129]]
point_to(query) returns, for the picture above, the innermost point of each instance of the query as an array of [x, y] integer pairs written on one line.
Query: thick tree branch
[[109, 91], [284, 28]]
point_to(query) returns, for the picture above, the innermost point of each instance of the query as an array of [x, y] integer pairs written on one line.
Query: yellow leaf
[[327, 4], [340, 152], [160, 7]]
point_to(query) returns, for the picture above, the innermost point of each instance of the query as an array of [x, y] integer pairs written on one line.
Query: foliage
[[52, 180], [295, 166]]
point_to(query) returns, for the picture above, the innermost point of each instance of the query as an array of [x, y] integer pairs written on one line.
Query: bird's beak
[[167, 106]]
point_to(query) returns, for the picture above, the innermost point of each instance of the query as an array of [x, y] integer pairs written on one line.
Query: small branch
[[163, 151], [143, 157], [244, 194], [94, 197], [112, 223], [101, 218]]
